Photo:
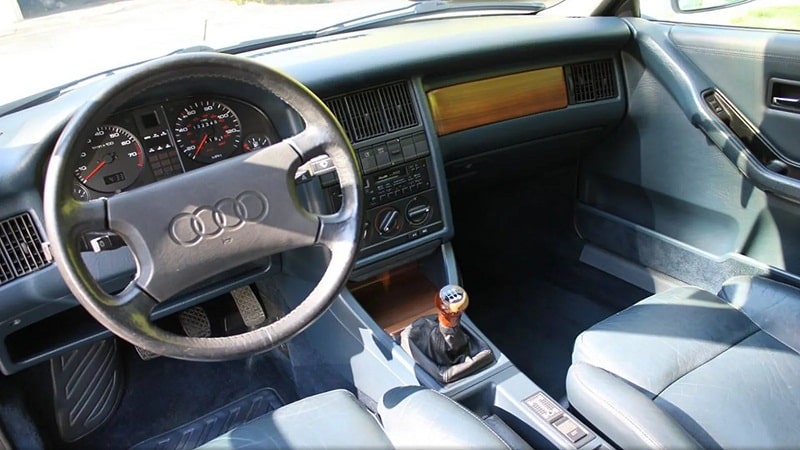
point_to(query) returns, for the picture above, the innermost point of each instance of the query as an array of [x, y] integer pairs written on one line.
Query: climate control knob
[[388, 221], [418, 210]]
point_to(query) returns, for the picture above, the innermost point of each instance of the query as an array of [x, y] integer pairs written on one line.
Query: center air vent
[[375, 112], [591, 81], [21, 249]]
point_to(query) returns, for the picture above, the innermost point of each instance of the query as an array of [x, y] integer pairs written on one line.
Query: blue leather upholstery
[[412, 416], [332, 419], [688, 369], [415, 417]]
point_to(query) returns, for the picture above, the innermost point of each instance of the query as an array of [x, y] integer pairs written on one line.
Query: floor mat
[[215, 423], [535, 321], [519, 260], [163, 394]]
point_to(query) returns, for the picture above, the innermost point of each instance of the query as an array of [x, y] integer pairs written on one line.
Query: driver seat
[[411, 416]]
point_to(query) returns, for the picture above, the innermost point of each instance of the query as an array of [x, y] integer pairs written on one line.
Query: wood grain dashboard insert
[[396, 298], [482, 102]]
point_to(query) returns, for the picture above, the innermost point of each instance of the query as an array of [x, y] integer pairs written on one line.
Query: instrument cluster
[[157, 141]]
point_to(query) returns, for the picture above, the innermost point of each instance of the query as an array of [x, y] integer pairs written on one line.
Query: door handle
[[789, 102], [784, 94]]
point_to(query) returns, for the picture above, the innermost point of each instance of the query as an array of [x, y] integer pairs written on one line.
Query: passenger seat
[[688, 369]]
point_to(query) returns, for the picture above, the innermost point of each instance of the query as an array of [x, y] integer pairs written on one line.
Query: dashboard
[[152, 142], [405, 105]]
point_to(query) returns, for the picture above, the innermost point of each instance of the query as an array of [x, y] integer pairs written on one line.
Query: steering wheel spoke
[[310, 143], [84, 216], [336, 231]]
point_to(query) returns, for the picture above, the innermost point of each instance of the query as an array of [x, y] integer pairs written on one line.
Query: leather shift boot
[[447, 354]]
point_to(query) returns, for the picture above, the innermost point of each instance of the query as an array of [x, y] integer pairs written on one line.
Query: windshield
[[47, 43]]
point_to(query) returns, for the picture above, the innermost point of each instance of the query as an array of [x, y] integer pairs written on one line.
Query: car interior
[[487, 229]]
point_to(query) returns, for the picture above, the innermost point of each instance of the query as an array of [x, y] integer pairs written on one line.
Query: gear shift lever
[[443, 347], [451, 302]]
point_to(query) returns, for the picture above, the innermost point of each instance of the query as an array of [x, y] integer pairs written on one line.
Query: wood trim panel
[[482, 102], [396, 298]]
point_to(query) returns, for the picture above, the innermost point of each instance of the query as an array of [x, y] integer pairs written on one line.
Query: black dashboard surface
[[466, 48]]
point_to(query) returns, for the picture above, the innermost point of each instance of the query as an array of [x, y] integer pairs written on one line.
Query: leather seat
[[412, 417], [688, 369]]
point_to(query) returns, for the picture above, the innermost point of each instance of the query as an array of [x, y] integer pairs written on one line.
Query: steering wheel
[[188, 228]]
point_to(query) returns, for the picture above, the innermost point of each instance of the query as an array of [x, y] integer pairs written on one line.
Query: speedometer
[[112, 160], [207, 131]]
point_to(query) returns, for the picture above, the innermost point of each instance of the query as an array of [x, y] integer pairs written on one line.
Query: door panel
[[741, 64], [675, 178]]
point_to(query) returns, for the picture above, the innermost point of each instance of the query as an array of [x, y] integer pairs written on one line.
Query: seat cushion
[[415, 417], [686, 368], [334, 419]]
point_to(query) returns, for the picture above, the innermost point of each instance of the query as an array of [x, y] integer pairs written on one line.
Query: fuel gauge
[[256, 141]]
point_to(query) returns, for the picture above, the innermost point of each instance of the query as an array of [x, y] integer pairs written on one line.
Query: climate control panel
[[400, 221]]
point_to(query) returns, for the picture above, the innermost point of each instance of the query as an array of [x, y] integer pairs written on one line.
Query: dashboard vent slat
[[369, 118], [6, 274], [591, 81], [21, 244], [339, 109], [375, 112], [398, 107]]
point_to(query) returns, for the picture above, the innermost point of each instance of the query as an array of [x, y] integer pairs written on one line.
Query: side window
[[771, 14]]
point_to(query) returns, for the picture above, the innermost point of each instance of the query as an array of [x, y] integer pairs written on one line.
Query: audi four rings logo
[[228, 214]]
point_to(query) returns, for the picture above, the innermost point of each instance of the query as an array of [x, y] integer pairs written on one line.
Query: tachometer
[[207, 131], [111, 161]]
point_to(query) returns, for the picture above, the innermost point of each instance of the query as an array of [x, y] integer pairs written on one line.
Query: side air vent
[[21, 249], [591, 81], [375, 112]]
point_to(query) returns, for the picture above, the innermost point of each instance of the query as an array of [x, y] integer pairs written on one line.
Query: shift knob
[[451, 301]]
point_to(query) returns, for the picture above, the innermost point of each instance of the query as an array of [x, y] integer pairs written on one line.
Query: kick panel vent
[[591, 81], [21, 252], [375, 112]]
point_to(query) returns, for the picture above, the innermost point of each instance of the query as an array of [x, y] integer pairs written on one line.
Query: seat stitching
[[734, 344], [619, 413], [463, 408]]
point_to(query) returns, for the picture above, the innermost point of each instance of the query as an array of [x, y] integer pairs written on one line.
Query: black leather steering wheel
[[252, 195]]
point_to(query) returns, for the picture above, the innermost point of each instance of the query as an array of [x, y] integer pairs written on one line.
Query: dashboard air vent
[[591, 81], [375, 112], [21, 252]]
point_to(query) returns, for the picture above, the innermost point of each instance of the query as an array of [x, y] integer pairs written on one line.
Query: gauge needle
[[200, 146], [95, 170]]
